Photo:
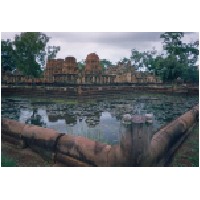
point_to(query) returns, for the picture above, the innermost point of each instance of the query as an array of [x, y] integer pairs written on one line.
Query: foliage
[[143, 59], [181, 57], [136, 57], [173, 44], [7, 56], [81, 65], [125, 60], [30, 48], [105, 62], [52, 51], [27, 53]]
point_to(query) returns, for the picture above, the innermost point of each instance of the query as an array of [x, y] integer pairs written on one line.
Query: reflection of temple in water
[[89, 118], [93, 111]]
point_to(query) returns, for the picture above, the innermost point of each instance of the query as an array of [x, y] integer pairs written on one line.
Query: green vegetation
[[48, 100], [27, 53], [54, 100], [7, 56], [65, 101], [188, 154], [105, 63], [179, 60], [7, 162]]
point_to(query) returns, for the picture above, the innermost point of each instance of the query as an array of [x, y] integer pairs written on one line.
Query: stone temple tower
[[93, 64]]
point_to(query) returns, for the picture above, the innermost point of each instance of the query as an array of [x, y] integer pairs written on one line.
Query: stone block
[[69, 161], [41, 140], [188, 118], [12, 128], [83, 149]]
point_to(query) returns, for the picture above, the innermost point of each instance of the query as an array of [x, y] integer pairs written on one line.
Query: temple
[[66, 71]]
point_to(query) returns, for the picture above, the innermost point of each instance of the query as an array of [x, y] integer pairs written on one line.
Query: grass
[[48, 100], [188, 154], [54, 100], [7, 162], [65, 101]]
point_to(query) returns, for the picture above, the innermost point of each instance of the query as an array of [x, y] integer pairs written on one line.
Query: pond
[[97, 119]]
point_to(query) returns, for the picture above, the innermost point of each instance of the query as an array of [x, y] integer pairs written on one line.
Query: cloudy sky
[[110, 45]]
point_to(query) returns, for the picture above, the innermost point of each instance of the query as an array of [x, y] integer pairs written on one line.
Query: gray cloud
[[112, 38], [110, 45]]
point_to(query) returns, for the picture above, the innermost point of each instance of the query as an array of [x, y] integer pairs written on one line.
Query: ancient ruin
[[66, 71]]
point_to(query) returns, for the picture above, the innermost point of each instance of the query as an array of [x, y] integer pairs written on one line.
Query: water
[[97, 119]]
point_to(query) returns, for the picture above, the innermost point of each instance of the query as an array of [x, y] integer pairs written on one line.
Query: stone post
[[135, 139], [79, 90]]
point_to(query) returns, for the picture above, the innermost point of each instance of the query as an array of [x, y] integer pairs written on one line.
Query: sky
[[108, 45]]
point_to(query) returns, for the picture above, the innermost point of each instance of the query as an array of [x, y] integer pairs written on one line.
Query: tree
[[136, 57], [30, 52], [125, 60], [52, 51], [7, 56], [81, 65], [105, 63], [180, 58], [173, 44], [143, 59]]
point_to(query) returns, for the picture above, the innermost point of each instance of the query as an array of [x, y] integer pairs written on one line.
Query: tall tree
[[191, 74], [180, 60], [30, 48], [136, 57], [7, 56], [105, 62], [52, 51], [172, 42], [143, 60]]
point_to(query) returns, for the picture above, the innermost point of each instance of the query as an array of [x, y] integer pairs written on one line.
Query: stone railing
[[167, 140], [152, 149]]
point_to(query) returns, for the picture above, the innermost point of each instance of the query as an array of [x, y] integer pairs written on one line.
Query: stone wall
[[85, 90], [79, 151]]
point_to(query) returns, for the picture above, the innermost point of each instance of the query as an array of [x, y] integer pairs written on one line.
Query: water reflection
[[100, 119]]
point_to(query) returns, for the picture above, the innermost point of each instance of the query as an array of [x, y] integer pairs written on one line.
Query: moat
[[97, 119]]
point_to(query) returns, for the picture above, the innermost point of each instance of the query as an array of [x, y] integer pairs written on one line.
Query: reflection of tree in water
[[70, 119], [92, 111], [53, 118], [10, 108], [35, 119], [92, 121]]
